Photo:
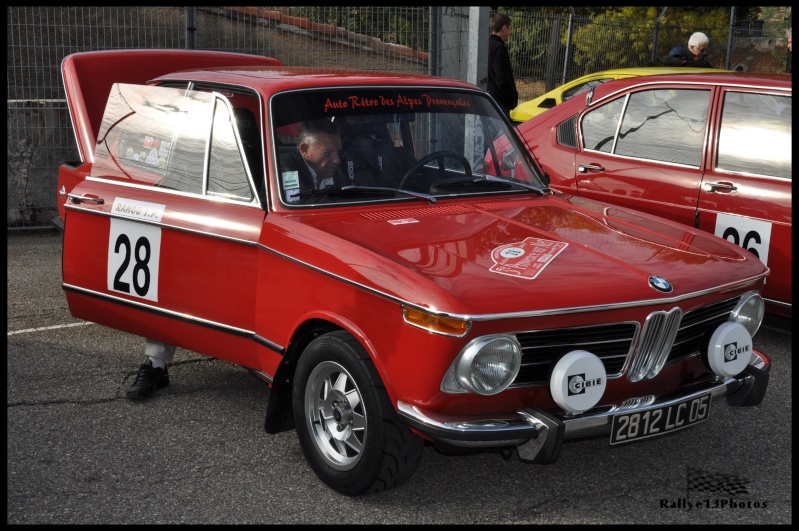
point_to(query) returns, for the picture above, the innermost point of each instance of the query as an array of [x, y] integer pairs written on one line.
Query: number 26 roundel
[[134, 252]]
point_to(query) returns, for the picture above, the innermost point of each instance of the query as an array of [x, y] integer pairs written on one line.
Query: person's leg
[[153, 373], [159, 353]]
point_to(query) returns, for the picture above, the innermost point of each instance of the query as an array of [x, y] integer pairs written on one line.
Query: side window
[[184, 171], [146, 150], [227, 176], [755, 135], [667, 125], [599, 126], [138, 137]]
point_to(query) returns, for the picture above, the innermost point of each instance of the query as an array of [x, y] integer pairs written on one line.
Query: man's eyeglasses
[[326, 153], [701, 50]]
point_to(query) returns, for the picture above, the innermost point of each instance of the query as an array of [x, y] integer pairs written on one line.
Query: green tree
[[636, 25]]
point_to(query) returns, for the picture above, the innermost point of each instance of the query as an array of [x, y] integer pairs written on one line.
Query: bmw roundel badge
[[661, 284]]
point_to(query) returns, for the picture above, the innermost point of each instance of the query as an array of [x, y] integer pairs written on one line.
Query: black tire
[[348, 430]]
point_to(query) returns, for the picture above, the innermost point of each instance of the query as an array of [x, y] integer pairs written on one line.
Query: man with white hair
[[696, 53]]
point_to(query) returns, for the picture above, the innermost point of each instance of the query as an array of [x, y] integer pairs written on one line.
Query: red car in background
[[711, 150], [441, 294]]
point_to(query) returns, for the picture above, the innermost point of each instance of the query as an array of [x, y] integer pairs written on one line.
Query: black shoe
[[147, 381]]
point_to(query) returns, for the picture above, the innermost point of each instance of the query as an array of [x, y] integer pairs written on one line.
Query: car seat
[[372, 157]]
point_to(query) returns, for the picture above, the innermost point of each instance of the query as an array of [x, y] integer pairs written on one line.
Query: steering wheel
[[439, 156]]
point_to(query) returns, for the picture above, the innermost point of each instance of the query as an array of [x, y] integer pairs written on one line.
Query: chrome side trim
[[780, 304], [483, 317], [379, 293], [516, 315], [70, 206], [206, 323], [261, 375], [255, 203]]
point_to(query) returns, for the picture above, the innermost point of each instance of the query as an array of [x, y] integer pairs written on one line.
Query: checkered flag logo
[[715, 483]]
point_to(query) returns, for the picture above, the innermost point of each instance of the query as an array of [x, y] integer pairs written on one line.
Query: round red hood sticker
[[525, 259]]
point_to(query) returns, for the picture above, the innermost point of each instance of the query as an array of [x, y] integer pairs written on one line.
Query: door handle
[[76, 199], [584, 168], [723, 187]]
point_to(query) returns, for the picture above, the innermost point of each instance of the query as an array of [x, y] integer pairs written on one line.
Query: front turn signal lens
[[448, 326]]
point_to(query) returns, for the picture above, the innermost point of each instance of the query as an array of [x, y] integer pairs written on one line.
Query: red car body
[[461, 307], [737, 186]]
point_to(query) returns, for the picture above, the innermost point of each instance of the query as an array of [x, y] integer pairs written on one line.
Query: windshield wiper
[[354, 190], [492, 179], [496, 179], [429, 198]]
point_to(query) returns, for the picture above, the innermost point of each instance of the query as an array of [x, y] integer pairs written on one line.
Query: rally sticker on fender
[[138, 209], [134, 254], [525, 259]]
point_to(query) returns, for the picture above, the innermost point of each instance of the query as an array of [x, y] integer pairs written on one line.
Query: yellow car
[[528, 109]]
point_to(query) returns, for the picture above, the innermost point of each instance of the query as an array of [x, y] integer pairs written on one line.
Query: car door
[[746, 194], [645, 150], [161, 239]]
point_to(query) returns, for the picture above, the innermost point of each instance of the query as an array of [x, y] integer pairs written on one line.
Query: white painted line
[[27, 330]]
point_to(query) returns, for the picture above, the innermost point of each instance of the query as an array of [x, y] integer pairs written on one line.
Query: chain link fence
[[546, 51]]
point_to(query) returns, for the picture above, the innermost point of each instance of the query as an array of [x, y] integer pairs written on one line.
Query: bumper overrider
[[539, 435]]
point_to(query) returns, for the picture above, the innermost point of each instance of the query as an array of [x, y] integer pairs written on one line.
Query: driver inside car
[[315, 164]]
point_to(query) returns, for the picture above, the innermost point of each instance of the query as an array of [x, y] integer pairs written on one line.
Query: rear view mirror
[[509, 159]]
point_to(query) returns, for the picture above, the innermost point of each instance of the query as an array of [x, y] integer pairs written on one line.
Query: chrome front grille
[[660, 329], [667, 338], [541, 349], [695, 326]]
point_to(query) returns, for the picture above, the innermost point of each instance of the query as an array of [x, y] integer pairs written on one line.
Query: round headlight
[[488, 365], [749, 312]]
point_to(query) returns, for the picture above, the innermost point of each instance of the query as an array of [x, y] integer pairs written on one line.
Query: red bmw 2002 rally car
[[430, 291]]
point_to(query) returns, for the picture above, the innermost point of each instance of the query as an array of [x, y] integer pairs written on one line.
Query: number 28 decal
[[752, 235], [134, 253]]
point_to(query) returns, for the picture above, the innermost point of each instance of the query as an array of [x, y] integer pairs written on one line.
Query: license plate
[[628, 427]]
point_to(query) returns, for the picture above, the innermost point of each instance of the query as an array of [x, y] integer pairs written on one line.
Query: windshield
[[395, 144]]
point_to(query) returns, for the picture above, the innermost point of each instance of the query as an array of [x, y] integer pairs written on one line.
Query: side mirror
[[509, 160]]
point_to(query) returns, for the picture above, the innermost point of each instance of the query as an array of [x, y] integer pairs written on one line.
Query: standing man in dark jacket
[[501, 85], [695, 55]]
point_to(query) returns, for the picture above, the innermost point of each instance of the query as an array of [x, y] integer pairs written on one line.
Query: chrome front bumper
[[538, 435]]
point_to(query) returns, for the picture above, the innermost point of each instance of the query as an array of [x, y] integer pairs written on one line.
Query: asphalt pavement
[[79, 452]]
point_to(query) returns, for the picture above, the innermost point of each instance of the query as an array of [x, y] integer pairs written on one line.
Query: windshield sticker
[[291, 185], [400, 101], [403, 221], [131, 208], [526, 259], [153, 152], [291, 179]]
